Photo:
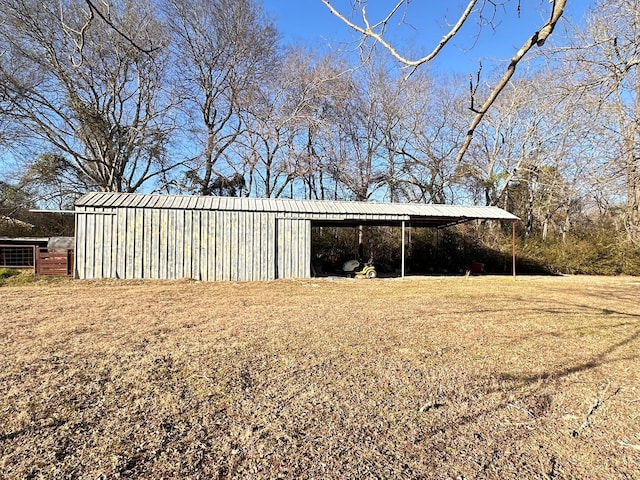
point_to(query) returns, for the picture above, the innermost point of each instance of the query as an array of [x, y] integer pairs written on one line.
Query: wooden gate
[[54, 263]]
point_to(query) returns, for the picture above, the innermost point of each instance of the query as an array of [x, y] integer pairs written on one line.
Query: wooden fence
[[54, 263], [40, 259]]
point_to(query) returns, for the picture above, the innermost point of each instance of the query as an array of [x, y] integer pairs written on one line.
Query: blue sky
[[310, 22]]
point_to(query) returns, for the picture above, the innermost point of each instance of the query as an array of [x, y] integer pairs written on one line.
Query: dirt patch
[[421, 378]]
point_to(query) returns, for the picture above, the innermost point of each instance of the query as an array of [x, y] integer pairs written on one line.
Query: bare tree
[[357, 147], [509, 142], [294, 119], [376, 31], [53, 181], [84, 93], [601, 67], [223, 50], [432, 125], [316, 86]]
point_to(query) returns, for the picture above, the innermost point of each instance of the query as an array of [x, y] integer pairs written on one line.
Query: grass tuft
[[14, 276]]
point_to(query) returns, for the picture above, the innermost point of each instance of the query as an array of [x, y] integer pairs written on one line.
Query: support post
[[402, 255], [513, 250]]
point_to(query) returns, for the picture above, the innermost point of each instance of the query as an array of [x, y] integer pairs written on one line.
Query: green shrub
[[13, 276], [593, 252], [8, 272]]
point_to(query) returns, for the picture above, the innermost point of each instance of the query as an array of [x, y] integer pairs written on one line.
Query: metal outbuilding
[[125, 235]]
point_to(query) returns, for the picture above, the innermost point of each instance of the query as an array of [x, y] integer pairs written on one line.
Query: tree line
[[203, 97]]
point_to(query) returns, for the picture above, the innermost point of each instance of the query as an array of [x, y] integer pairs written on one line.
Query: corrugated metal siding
[[312, 209], [294, 248], [94, 232], [172, 244], [217, 238]]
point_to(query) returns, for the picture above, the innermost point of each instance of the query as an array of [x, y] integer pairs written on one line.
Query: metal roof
[[328, 211], [24, 239]]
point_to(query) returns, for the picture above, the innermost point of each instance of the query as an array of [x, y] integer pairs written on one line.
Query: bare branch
[[538, 39], [474, 88], [370, 32], [77, 36], [107, 20]]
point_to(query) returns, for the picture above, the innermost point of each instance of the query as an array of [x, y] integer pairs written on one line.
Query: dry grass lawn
[[433, 378]]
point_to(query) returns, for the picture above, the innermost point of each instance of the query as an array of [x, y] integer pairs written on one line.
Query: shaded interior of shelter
[[432, 247]]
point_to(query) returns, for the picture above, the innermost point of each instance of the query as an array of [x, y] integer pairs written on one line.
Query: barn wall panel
[[203, 227], [179, 244], [129, 242], [242, 246], [219, 245], [112, 246], [163, 244], [294, 248], [154, 243], [254, 251], [171, 244], [80, 245], [90, 246], [93, 244], [269, 240], [103, 245], [121, 243], [98, 242], [211, 246], [188, 240], [139, 242], [147, 253], [233, 246]]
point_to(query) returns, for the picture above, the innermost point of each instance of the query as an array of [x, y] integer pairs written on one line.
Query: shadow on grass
[[532, 394], [592, 361]]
